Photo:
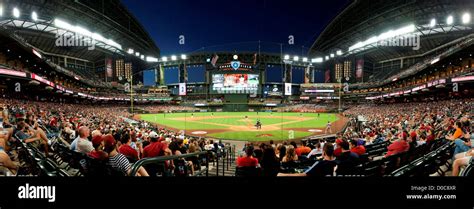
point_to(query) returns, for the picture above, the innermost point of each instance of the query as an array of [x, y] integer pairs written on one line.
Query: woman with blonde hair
[[290, 154], [193, 147], [277, 150]]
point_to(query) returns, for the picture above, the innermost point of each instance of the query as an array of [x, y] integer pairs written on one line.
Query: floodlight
[[466, 18], [34, 16], [16, 12], [450, 20], [433, 22]]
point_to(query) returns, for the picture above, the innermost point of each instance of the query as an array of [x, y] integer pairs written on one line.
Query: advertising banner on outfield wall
[[287, 89], [182, 89]]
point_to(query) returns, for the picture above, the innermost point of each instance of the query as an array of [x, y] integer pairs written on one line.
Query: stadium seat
[[364, 158], [427, 164], [376, 146], [376, 152], [372, 168], [305, 162], [157, 169], [247, 171], [48, 168], [62, 173], [290, 167], [181, 168]]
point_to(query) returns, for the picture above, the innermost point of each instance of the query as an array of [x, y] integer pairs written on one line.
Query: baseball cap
[[109, 141], [96, 140], [153, 135]]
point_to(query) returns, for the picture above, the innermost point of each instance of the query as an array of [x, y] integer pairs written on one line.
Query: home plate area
[[199, 132]]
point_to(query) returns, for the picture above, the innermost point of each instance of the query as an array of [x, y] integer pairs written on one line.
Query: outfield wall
[[236, 103]]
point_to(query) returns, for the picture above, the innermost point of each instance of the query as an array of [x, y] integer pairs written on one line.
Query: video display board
[[235, 83]]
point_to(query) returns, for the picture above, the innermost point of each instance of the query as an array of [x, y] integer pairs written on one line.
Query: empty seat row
[[427, 164]]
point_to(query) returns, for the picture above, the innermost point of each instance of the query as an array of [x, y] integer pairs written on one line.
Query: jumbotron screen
[[235, 83]]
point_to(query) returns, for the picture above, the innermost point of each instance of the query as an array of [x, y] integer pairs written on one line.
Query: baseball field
[[241, 125]]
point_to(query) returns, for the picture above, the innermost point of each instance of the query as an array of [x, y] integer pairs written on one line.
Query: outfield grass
[[205, 121]]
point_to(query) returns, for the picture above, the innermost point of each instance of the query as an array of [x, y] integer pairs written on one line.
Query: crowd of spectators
[[167, 108], [309, 108], [405, 126], [410, 125], [103, 133], [99, 131]]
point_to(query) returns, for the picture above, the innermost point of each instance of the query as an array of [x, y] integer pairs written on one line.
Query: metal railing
[[158, 160], [227, 155]]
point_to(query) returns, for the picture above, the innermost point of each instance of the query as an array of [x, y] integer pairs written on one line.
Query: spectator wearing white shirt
[[316, 151], [208, 146], [83, 144]]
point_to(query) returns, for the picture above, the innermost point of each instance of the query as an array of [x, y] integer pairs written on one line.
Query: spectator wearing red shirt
[[248, 160], [430, 136], [358, 149], [98, 152], [399, 146], [338, 150], [53, 123], [155, 148], [127, 150]]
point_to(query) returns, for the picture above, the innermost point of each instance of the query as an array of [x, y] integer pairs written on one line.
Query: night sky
[[225, 25]]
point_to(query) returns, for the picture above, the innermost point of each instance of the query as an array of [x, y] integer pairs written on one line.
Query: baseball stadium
[[87, 89]]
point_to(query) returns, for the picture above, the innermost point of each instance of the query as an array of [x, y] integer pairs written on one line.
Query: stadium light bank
[[403, 36]]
